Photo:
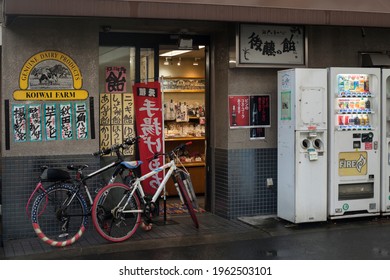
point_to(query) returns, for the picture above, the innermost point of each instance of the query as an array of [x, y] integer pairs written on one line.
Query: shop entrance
[[182, 73]]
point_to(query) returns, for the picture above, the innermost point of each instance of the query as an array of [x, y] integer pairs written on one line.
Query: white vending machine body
[[354, 138], [302, 145], [385, 166]]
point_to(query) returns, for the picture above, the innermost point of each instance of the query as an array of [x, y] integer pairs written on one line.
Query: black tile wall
[[19, 178], [240, 187]]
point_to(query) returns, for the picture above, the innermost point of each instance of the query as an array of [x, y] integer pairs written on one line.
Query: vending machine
[[385, 166], [354, 139], [302, 145]]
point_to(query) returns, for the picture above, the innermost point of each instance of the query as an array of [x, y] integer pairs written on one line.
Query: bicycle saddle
[[131, 164], [53, 175]]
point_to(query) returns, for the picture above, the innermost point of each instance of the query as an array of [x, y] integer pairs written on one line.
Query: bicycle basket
[[186, 178]]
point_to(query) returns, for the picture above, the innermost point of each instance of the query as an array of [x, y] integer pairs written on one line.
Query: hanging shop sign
[[249, 111], [50, 75], [149, 125], [270, 46]]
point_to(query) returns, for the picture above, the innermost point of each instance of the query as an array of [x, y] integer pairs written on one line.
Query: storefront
[[104, 51]]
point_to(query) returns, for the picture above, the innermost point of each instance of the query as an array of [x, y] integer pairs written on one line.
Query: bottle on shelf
[[234, 115]]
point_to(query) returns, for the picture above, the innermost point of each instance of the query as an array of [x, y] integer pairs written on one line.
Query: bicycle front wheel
[[187, 201], [59, 215], [116, 213]]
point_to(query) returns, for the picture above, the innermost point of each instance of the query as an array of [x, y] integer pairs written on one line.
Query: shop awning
[[315, 12]]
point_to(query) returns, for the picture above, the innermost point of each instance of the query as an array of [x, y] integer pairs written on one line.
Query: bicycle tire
[[112, 224], [187, 200], [189, 187], [58, 227]]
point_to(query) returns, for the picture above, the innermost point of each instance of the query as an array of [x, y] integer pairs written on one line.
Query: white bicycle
[[118, 209]]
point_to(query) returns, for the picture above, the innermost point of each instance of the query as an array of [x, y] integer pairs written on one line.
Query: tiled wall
[[240, 187], [19, 178]]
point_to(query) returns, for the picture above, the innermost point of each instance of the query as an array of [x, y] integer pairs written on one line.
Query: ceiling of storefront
[[377, 6]]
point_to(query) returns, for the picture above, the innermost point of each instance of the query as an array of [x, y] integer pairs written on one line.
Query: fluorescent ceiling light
[[175, 53]]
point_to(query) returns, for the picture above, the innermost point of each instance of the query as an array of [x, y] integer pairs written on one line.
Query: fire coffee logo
[[353, 164]]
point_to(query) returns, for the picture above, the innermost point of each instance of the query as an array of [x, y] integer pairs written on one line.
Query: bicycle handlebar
[[116, 147], [172, 152]]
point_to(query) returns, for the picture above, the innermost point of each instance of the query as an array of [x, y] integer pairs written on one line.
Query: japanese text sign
[[148, 115], [272, 45]]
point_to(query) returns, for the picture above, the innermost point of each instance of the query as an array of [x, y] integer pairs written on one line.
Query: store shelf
[[184, 116], [192, 164], [169, 139]]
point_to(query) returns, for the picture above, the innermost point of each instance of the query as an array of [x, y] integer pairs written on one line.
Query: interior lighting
[[195, 63], [174, 53], [179, 62]]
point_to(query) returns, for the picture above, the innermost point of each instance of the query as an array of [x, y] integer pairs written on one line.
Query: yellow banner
[[352, 163], [57, 94]]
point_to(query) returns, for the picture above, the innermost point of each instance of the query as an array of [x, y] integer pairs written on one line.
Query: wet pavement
[[267, 238]]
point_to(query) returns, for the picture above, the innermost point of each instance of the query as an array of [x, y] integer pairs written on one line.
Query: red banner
[[149, 123]]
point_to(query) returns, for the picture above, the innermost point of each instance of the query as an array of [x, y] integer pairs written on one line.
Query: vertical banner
[[128, 120], [66, 121], [149, 124], [35, 122], [81, 120], [116, 118], [19, 122], [105, 121], [51, 121]]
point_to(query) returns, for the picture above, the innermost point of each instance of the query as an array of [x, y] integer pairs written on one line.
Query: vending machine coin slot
[[357, 135]]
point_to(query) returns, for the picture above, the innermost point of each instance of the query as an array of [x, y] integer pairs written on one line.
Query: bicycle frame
[[137, 184]]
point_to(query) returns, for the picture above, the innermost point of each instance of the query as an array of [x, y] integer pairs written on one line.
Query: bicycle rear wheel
[[59, 215], [187, 201], [116, 214]]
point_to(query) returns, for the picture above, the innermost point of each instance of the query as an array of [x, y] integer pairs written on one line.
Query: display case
[[184, 121]]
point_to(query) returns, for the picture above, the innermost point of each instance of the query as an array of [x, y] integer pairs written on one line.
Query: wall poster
[[249, 111], [19, 123], [35, 122]]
